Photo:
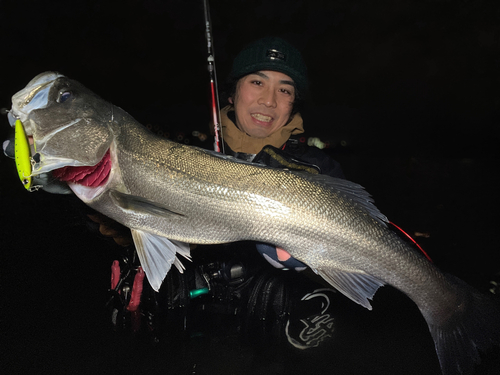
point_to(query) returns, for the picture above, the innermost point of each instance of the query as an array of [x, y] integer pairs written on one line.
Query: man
[[262, 123]]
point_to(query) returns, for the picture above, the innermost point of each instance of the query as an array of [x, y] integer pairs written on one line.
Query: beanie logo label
[[274, 54]]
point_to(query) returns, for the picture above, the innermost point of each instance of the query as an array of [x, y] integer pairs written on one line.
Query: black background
[[405, 92], [406, 77]]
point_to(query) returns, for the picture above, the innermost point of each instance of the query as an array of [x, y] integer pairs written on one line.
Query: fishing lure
[[22, 155]]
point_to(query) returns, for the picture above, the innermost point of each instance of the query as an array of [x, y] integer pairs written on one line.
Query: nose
[[268, 98]]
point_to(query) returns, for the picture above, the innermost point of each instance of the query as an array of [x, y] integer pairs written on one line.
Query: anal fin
[[359, 287], [157, 254]]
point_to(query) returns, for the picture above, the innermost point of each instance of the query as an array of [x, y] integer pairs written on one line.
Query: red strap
[[135, 298], [115, 274]]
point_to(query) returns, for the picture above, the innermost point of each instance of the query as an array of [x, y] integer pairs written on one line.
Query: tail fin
[[473, 328]]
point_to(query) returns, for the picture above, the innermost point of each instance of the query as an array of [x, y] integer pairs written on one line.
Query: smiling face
[[263, 102]]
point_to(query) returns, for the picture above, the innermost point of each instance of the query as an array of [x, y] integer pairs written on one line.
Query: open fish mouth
[[45, 134], [39, 162]]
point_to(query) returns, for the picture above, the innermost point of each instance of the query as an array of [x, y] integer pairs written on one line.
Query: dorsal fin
[[350, 190]]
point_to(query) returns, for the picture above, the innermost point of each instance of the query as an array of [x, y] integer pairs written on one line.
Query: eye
[[63, 96]]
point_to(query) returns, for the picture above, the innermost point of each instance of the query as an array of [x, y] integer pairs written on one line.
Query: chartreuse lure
[[22, 155]]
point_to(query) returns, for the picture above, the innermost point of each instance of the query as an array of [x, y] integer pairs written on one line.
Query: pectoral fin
[[139, 204], [359, 287], [157, 254]]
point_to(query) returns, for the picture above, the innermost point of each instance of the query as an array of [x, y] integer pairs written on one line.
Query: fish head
[[68, 124]]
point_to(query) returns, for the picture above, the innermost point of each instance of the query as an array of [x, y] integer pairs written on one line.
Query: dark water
[[55, 274]]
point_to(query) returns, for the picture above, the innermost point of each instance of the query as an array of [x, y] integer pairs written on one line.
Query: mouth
[[261, 118], [91, 176]]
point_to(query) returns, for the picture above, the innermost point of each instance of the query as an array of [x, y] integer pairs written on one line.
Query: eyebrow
[[283, 81]]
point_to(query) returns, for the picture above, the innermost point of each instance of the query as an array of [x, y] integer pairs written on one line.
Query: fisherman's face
[[263, 102]]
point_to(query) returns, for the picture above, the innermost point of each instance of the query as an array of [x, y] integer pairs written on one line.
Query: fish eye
[[63, 96]]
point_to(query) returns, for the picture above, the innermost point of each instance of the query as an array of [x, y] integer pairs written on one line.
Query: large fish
[[171, 195]]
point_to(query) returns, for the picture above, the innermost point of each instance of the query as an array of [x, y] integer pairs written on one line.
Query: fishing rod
[[218, 142]]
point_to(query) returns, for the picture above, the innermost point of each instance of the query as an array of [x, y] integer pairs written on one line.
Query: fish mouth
[[90, 176], [40, 161], [36, 96]]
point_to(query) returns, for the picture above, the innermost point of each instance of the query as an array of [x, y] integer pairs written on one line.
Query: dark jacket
[[294, 155]]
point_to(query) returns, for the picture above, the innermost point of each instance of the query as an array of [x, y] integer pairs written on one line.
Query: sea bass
[[171, 195]]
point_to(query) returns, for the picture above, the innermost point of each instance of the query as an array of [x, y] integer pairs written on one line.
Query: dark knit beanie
[[271, 53]]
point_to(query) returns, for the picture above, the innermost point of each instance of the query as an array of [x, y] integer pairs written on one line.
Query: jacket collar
[[239, 141]]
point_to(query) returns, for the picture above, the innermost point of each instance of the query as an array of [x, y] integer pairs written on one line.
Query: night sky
[[405, 92], [410, 77]]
